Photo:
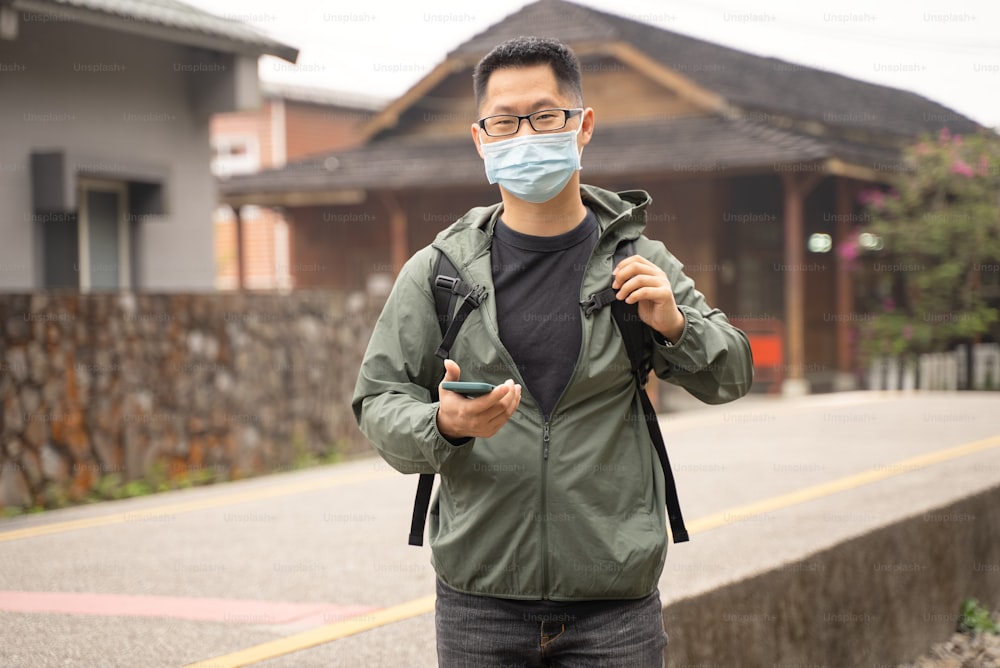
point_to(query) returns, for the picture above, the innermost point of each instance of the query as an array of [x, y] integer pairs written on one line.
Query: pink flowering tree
[[934, 247]]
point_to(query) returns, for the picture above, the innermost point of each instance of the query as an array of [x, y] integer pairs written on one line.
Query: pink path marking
[[232, 611]]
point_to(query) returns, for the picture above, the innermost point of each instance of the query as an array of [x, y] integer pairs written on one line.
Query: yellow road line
[[805, 494], [421, 606], [324, 634], [269, 492]]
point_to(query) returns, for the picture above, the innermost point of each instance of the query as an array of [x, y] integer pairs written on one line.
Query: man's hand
[[639, 280], [459, 417]]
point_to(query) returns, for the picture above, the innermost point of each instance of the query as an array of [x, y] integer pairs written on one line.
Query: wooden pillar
[[797, 186], [241, 268], [290, 260], [844, 379], [398, 231]]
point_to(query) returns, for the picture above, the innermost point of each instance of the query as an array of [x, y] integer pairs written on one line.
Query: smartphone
[[467, 389]]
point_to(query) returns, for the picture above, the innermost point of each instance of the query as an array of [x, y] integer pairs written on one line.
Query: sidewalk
[[186, 576]]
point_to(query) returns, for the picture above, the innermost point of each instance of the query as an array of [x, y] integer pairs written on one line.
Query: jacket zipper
[[544, 519], [494, 334], [547, 439], [546, 420]]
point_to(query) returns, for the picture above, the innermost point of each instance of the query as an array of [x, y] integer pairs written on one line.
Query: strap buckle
[[476, 295], [449, 283], [457, 286], [597, 301]]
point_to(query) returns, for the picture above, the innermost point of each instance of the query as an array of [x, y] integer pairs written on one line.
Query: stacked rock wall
[[172, 388]]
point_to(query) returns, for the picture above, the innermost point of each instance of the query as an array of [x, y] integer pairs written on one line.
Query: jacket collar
[[619, 216]]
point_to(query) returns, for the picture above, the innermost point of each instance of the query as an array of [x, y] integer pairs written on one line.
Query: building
[[104, 140], [753, 164], [293, 122]]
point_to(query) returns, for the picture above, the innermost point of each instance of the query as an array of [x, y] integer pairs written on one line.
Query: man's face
[[525, 90]]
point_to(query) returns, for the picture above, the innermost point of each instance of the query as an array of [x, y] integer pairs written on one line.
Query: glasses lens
[[498, 126], [548, 120]]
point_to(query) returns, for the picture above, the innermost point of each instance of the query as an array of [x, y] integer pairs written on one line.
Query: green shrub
[[974, 618]]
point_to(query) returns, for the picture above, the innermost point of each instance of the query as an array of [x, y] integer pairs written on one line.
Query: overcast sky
[[947, 51]]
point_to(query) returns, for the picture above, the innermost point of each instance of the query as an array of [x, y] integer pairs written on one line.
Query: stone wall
[[102, 389]]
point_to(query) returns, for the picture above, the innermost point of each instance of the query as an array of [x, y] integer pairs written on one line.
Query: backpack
[[448, 288]]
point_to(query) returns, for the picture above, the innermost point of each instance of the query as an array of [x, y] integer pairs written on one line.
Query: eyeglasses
[[546, 120]]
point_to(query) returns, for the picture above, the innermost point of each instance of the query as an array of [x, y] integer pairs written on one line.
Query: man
[[548, 534]]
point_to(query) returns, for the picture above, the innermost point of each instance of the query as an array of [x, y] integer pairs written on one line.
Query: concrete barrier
[[882, 598]]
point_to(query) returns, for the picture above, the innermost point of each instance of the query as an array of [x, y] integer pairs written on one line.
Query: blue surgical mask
[[534, 168]]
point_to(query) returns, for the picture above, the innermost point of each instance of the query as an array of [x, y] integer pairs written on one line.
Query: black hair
[[527, 51]]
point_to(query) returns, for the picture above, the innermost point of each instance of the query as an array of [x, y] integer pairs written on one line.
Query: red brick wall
[[312, 128], [309, 128]]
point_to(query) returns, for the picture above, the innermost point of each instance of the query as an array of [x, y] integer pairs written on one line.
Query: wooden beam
[[670, 79], [398, 231], [297, 198], [845, 192], [292, 258], [797, 186], [241, 268], [838, 167], [389, 116]]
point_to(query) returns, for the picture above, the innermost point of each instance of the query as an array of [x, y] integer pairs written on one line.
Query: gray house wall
[[123, 105]]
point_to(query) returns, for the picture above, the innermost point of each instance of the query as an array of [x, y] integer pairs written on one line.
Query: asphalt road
[[188, 576]]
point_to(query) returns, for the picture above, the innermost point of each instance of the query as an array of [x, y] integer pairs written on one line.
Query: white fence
[[975, 367]]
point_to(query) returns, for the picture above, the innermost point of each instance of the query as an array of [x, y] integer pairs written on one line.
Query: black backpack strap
[[634, 336], [447, 287], [420, 505], [471, 299], [444, 300], [677, 528]]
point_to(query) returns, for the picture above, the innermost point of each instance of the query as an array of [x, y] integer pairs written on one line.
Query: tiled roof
[[833, 117], [324, 96], [745, 80], [677, 147], [171, 16]]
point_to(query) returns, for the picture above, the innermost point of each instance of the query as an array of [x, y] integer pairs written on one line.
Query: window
[[104, 248], [235, 154]]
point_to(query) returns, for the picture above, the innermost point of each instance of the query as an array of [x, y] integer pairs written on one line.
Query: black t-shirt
[[537, 283]]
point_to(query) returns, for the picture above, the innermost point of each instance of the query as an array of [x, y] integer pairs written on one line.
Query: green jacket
[[588, 521]]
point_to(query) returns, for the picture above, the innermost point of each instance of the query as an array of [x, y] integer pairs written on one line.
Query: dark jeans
[[483, 632]]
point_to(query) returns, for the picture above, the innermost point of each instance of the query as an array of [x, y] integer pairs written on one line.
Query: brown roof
[[773, 114], [677, 147], [747, 81]]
